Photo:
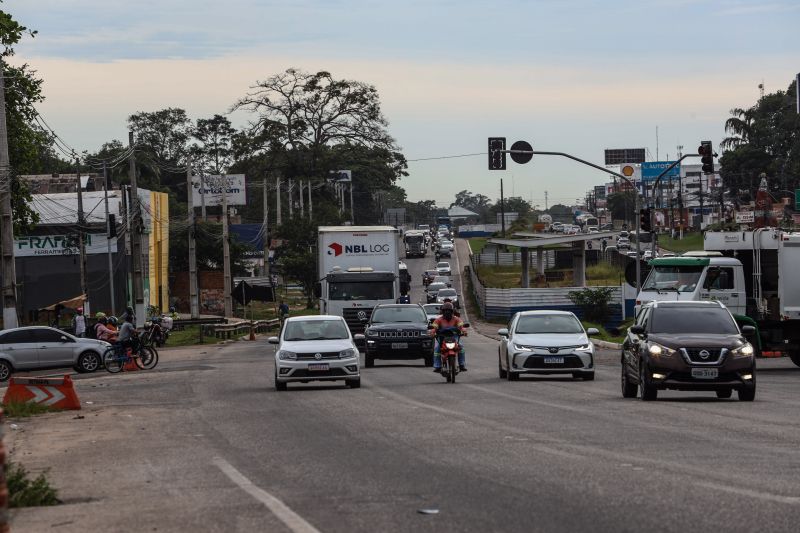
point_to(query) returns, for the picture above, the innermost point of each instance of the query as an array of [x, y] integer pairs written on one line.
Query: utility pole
[[278, 200], [702, 210], [545, 201], [81, 239], [341, 196], [194, 301], [226, 252], [136, 238], [265, 229], [203, 195], [289, 190], [6, 218], [310, 204], [503, 210], [352, 209], [109, 232]]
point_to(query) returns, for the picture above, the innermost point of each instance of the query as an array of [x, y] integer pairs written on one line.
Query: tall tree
[[162, 140], [214, 149]]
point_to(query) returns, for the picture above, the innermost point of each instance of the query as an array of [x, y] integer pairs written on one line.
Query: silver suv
[[34, 347]]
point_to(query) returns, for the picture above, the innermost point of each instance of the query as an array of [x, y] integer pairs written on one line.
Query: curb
[[606, 344]]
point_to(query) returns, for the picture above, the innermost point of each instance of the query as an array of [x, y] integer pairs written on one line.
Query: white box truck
[[754, 273], [358, 269]]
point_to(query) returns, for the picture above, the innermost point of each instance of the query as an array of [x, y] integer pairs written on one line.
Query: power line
[[444, 157]]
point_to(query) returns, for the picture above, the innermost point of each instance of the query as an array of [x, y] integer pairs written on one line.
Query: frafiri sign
[[210, 189], [49, 245]]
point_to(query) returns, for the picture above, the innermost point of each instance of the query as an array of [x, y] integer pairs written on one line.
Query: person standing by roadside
[[79, 323], [283, 311]]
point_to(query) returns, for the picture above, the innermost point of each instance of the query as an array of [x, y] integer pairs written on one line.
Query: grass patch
[[690, 242], [604, 274], [189, 336], [609, 336], [26, 492], [477, 244], [26, 409]]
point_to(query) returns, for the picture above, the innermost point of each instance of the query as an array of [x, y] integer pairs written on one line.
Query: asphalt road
[[540, 454]]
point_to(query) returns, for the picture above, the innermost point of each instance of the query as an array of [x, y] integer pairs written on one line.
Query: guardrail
[[227, 331]]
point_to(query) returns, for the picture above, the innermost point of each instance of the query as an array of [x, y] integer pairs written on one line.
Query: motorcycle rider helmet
[[447, 310], [112, 320], [98, 315]]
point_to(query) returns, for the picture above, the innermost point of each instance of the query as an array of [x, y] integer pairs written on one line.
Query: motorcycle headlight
[[660, 351], [450, 345], [286, 354], [745, 350], [523, 348], [347, 354]]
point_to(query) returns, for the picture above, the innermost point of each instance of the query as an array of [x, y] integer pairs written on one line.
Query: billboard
[[599, 192], [212, 187], [49, 245], [620, 156], [340, 176], [651, 170]]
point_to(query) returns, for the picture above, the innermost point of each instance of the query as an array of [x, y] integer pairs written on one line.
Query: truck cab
[[354, 293], [710, 277]]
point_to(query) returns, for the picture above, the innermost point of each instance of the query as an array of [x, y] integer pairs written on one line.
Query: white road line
[[292, 520], [767, 496]]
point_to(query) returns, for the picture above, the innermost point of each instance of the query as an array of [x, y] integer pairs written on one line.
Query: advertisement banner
[[651, 170], [745, 217], [212, 188], [49, 245]]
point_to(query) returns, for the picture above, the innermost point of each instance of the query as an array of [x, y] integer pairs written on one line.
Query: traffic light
[[706, 157], [497, 157], [644, 220], [112, 226]]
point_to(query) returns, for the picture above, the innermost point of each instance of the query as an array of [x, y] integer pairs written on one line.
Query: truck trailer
[[358, 269]]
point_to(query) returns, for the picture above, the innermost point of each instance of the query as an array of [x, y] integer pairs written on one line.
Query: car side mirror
[[273, 340], [503, 332], [637, 329], [593, 331], [359, 337], [64, 339], [748, 330]]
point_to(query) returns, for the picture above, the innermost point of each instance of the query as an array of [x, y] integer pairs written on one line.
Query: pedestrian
[[79, 323], [283, 312], [604, 244]]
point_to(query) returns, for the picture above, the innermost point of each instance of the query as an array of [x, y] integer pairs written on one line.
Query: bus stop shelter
[[538, 241]]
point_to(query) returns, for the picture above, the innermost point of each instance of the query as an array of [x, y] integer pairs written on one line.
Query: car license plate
[[318, 366], [705, 373], [399, 346], [554, 360]]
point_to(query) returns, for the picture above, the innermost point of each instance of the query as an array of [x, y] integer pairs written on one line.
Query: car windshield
[[445, 293], [673, 278], [443, 265], [362, 290], [690, 319], [383, 315], [548, 324], [433, 287], [432, 309], [315, 330]]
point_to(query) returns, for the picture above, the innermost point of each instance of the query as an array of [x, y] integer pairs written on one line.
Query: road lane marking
[[292, 520], [767, 496]]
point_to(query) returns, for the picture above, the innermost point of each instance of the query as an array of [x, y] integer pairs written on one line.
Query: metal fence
[[514, 258]]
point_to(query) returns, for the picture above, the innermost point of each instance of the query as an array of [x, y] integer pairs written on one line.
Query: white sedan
[[545, 342], [316, 348]]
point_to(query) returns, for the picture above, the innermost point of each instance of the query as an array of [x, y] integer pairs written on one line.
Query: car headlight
[[584, 348], [370, 332], [286, 354], [745, 350], [660, 351], [347, 354], [523, 348]]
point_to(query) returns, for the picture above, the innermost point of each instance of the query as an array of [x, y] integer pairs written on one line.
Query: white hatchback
[[316, 348]]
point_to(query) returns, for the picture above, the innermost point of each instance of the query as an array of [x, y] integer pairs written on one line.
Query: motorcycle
[[449, 348], [155, 334]]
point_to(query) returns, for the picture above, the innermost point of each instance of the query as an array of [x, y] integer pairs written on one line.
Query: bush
[[593, 302], [23, 492]]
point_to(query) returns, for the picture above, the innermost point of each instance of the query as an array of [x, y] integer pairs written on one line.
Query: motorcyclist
[[448, 319], [404, 299]]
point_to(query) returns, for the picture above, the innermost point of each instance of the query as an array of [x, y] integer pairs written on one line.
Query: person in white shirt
[[79, 323]]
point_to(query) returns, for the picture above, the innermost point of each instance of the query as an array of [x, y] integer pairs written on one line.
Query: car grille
[[353, 321], [398, 334], [709, 355], [303, 373], [312, 356], [537, 361]]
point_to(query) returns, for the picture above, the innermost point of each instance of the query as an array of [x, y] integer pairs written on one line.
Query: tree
[[208, 239], [514, 204], [162, 136], [621, 204], [477, 203], [215, 153]]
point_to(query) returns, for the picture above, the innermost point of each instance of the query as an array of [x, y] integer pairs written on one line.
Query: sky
[[567, 76]]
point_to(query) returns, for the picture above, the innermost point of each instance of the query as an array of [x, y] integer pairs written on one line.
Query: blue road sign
[[651, 170]]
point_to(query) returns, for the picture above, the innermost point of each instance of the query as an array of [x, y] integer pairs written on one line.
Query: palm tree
[[740, 126]]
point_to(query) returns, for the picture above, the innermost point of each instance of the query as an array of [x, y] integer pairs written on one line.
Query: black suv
[[398, 331], [687, 346]]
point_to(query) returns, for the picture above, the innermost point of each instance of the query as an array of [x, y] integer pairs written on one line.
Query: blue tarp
[[249, 235]]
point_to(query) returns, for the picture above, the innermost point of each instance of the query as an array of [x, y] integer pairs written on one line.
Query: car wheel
[[88, 362], [279, 385], [724, 393], [587, 376], [502, 373], [748, 393], [647, 392], [353, 383], [369, 361], [795, 357], [5, 370], [629, 390]]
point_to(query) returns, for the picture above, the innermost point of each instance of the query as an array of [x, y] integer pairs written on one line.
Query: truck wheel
[[795, 357], [369, 361]]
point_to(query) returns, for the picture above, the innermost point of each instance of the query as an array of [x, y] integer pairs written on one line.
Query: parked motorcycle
[[155, 334], [449, 348]]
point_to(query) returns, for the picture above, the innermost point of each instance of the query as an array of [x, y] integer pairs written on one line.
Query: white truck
[[752, 272], [358, 269], [416, 245]]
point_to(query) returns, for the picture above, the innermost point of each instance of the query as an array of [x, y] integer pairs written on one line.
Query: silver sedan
[[545, 342]]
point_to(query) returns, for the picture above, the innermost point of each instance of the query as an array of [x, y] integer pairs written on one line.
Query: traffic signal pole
[[653, 195]]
